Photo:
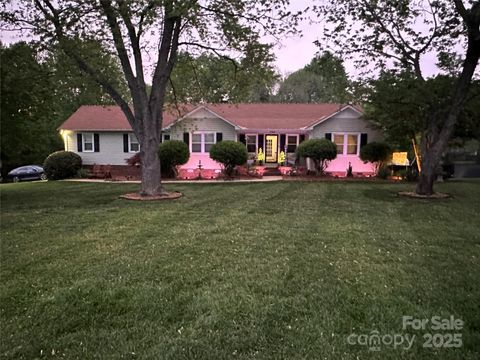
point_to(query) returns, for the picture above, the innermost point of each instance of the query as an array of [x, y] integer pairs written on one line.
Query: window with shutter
[[125, 143], [133, 145], [251, 141], [79, 142], [87, 142], [292, 143], [96, 142]]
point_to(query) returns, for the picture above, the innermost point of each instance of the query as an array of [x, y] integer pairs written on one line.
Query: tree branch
[[120, 46], [64, 42], [134, 41]]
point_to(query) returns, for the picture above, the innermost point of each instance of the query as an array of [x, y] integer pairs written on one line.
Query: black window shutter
[[79, 142], [260, 142], [219, 137], [328, 136], [363, 139], [125, 143], [282, 142], [96, 142], [302, 138], [186, 138], [242, 139]]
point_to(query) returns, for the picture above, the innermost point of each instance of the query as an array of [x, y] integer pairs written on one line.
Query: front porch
[[272, 144]]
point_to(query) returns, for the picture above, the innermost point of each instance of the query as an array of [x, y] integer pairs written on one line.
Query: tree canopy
[[73, 88], [215, 79], [400, 104], [398, 35], [153, 30], [324, 79], [27, 97], [39, 91]]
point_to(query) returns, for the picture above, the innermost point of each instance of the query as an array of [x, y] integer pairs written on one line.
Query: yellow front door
[[271, 148]]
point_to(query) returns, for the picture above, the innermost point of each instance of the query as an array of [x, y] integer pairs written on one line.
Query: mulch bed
[[414, 195], [138, 197]]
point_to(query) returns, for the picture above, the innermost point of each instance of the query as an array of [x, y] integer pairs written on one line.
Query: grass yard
[[235, 271]]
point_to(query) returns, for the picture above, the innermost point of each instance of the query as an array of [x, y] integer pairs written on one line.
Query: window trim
[[84, 141], [256, 142], [202, 141], [192, 142], [209, 143], [345, 142], [166, 134], [297, 142], [130, 143]]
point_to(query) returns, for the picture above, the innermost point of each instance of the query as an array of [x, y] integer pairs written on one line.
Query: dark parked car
[[29, 172]]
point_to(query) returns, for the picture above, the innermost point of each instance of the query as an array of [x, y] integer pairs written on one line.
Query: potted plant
[[260, 168], [283, 167]]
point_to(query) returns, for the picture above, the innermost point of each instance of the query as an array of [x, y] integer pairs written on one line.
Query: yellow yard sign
[[400, 159]]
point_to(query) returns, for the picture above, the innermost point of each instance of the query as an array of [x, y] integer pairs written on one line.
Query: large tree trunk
[[435, 139], [149, 143], [428, 174], [151, 179]]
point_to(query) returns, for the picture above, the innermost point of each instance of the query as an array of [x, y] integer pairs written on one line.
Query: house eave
[[325, 118], [273, 131], [91, 130], [235, 126]]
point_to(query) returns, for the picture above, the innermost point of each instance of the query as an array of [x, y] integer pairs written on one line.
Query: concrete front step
[[272, 172]]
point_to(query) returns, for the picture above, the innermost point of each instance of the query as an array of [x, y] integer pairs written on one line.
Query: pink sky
[[292, 53]]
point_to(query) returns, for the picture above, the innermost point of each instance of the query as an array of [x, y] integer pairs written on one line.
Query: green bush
[[172, 153], [383, 172], [377, 153], [411, 174], [230, 154], [82, 173], [62, 165], [321, 151]]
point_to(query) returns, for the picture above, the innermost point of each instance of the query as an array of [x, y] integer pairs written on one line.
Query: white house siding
[[111, 149], [203, 121], [348, 121]]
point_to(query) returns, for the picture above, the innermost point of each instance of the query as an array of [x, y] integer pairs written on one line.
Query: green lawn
[[234, 271]]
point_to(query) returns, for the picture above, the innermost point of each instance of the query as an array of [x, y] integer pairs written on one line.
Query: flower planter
[[285, 170], [242, 170], [259, 170]]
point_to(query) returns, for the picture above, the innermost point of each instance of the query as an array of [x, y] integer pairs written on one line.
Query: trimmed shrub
[[134, 160], [377, 153], [383, 172], [62, 165], [82, 173], [172, 153], [321, 151], [230, 154]]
